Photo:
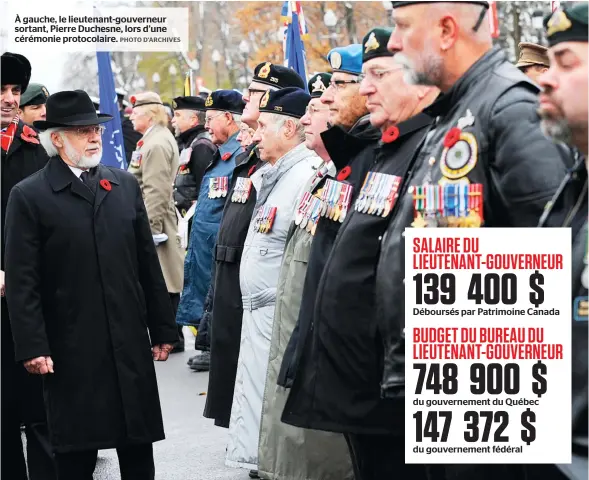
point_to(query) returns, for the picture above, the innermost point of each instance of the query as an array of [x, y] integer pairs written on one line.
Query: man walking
[[87, 299]]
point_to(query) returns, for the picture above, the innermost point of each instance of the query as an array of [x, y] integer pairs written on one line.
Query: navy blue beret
[[225, 100], [287, 101]]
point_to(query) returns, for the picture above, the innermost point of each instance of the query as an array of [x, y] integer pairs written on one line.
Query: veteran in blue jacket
[[223, 116]]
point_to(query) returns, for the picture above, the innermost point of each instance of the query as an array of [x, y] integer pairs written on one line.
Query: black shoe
[[254, 474], [202, 362], [179, 347]]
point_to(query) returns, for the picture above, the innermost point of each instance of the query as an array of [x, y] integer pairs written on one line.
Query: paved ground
[[194, 448]]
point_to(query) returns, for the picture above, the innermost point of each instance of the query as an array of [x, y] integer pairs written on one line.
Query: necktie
[[86, 180], [84, 177]]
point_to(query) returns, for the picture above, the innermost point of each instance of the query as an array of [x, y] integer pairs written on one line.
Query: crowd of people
[[273, 223]]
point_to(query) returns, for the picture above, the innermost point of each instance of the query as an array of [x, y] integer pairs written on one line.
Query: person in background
[[130, 135], [22, 393], [222, 117], [170, 113], [246, 134], [564, 113], [286, 452], [533, 60], [32, 103], [154, 164], [87, 300], [288, 164]]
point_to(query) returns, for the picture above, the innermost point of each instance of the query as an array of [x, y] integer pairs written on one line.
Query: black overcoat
[[84, 285], [225, 328]]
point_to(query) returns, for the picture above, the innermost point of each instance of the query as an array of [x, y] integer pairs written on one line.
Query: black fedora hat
[[70, 109]]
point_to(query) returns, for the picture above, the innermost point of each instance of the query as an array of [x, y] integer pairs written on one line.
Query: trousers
[[135, 463]]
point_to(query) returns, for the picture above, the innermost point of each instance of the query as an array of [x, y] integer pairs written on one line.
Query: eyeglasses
[[87, 131], [208, 119], [377, 74], [341, 84], [251, 91], [311, 110]]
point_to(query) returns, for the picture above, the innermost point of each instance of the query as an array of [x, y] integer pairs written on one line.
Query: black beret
[[402, 4], [319, 83], [225, 100], [189, 103], [15, 70], [36, 94], [567, 25], [375, 42], [289, 101], [277, 76]]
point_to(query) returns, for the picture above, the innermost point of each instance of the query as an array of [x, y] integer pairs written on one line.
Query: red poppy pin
[[133, 99], [344, 173], [139, 143], [452, 137], [104, 183], [390, 135], [251, 171], [226, 156], [29, 135]]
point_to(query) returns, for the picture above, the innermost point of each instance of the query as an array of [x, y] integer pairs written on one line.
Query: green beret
[[375, 42], [36, 94], [567, 25]]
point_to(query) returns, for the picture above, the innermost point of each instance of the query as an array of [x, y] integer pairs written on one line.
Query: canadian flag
[[493, 20]]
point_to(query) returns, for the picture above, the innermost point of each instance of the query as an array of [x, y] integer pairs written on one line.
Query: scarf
[[8, 134]]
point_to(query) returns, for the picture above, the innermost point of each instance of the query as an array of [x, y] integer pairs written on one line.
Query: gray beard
[[430, 77], [557, 129]]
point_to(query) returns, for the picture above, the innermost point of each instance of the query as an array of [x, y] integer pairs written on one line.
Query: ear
[[290, 128], [448, 31], [57, 140]]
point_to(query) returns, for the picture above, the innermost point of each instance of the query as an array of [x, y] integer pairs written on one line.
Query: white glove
[[159, 238]]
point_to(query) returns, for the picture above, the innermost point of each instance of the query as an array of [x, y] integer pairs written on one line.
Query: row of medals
[[218, 187], [449, 205], [264, 219], [241, 190], [377, 197]]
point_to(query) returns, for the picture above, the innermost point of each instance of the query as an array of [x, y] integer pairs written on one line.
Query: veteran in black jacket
[[87, 299], [485, 149], [563, 108]]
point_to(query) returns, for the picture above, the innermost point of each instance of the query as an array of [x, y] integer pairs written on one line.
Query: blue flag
[[113, 146], [294, 52]]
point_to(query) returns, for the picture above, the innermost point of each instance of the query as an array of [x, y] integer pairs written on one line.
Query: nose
[[257, 137], [327, 96], [8, 97], [395, 44], [366, 87], [546, 80], [306, 119]]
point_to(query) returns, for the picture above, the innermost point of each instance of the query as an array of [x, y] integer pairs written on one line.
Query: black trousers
[[175, 299], [135, 463]]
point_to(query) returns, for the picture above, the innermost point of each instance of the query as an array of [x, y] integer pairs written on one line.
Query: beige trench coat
[[155, 164]]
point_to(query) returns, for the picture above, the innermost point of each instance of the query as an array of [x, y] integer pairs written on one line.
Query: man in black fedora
[[22, 396], [87, 299]]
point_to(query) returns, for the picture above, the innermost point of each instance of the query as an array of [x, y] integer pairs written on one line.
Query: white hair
[[278, 121], [47, 143]]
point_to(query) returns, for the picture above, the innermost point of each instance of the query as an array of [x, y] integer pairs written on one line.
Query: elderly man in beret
[[227, 304], [88, 303], [196, 154], [32, 103], [22, 396], [533, 60], [287, 452], [288, 164], [564, 113], [223, 109]]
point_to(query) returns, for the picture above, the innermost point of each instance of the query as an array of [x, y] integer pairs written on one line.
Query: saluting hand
[[161, 352], [39, 365]]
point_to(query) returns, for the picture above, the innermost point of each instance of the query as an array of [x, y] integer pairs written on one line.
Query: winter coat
[[203, 234], [21, 392], [84, 286], [155, 164], [225, 328], [285, 452], [278, 186], [502, 151]]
